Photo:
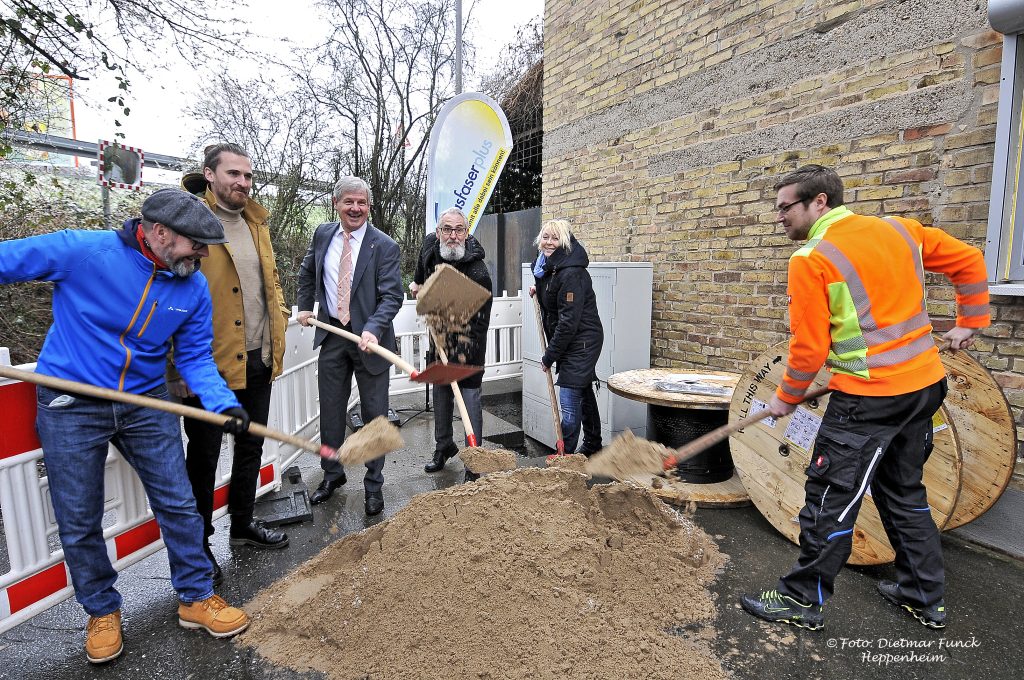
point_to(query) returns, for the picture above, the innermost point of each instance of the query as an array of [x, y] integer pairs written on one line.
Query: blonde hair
[[560, 227]]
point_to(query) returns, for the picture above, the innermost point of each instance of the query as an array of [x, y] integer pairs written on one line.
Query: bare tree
[[383, 75], [79, 38], [291, 151], [517, 83], [517, 59]]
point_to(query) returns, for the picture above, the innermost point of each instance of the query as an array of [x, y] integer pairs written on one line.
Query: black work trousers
[[203, 451], [875, 445]]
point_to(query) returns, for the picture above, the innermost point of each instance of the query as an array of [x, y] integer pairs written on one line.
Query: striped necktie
[[345, 280]]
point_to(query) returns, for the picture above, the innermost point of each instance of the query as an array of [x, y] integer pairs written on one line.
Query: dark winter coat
[[468, 346], [571, 322]]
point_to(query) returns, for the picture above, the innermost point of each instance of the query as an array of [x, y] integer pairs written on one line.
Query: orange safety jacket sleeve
[[809, 320], [964, 265]]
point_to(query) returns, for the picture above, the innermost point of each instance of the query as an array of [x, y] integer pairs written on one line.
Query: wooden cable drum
[[975, 446]]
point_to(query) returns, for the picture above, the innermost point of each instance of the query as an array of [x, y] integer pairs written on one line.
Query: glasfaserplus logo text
[[478, 166]]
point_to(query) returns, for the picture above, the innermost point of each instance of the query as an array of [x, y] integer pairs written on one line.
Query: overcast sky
[[157, 123]]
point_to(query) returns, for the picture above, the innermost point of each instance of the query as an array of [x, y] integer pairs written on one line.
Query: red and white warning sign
[[120, 166]]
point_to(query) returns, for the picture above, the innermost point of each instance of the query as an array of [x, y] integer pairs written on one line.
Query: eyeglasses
[[196, 245], [783, 209], [448, 231]]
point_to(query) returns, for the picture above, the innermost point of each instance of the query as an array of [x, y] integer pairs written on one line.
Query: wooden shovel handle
[[373, 347], [463, 412], [560, 443], [150, 402], [699, 444]]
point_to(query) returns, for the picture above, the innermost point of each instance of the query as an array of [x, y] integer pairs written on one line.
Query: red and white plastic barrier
[[38, 577]]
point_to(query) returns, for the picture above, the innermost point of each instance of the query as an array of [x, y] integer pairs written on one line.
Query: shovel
[[435, 374], [476, 459], [353, 451], [559, 444], [449, 298], [463, 413], [629, 455]]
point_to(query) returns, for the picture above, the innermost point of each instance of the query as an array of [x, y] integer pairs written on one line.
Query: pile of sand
[[570, 461], [524, 574], [482, 461]]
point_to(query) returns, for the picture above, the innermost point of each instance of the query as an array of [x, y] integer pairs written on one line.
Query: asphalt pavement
[[863, 637]]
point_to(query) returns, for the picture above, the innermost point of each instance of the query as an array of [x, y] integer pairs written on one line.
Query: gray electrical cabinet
[[623, 291]]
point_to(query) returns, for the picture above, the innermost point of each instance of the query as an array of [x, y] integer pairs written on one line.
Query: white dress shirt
[[332, 264]]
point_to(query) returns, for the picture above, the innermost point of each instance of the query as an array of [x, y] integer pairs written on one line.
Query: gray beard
[[453, 253], [183, 268]]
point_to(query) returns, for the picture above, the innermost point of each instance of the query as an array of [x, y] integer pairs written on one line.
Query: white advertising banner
[[468, 147]]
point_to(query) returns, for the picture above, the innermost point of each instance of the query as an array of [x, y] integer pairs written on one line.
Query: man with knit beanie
[[249, 321]]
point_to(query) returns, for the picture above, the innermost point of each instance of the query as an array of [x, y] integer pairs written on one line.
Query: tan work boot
[[213, 615], [103, 638]]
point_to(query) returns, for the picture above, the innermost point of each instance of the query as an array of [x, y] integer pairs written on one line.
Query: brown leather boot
[[103, 641], [213, 615]]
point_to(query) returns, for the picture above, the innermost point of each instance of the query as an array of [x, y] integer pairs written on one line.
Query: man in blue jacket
[[120, 301]]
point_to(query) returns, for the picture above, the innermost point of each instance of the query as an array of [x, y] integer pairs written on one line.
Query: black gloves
[[239, 422]]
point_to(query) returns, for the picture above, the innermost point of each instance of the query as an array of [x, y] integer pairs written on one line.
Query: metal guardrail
[[75, 147]]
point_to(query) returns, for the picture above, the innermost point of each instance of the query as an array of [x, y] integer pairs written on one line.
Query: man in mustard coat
[[249, 321]]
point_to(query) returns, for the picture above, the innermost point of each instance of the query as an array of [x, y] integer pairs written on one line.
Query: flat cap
[[185, 213]]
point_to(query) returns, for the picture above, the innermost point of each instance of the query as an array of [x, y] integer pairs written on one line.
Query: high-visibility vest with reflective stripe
[[857, 303]]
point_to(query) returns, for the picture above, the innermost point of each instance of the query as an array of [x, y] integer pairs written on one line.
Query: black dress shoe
[[374, 504], [255, 534], [440, 458], [326, 490]]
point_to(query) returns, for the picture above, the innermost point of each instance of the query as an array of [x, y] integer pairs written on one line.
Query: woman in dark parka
[[573, 328]]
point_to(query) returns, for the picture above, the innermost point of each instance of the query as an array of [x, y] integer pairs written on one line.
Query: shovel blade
[[627, 455], [445, 374], [451, 296]]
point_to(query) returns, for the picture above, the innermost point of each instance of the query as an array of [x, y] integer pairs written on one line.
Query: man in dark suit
[[352, 270]]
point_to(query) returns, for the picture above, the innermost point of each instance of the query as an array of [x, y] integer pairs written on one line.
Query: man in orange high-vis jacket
[[857, 306]]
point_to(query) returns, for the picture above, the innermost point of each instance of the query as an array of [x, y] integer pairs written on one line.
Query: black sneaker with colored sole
[[771, 605], [932, 616]]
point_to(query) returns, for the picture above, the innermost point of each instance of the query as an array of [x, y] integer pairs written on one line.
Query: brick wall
[[668, 122]]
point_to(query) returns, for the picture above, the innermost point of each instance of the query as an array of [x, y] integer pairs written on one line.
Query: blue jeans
[[579, 409], [75, 432]]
